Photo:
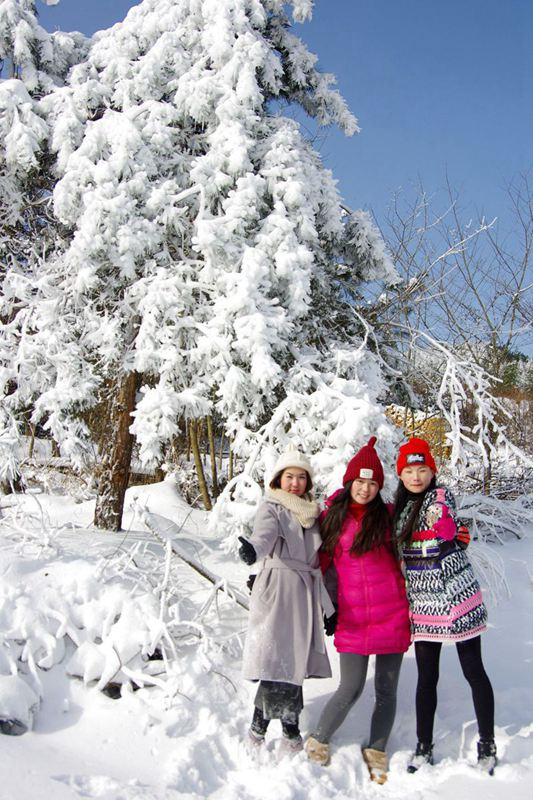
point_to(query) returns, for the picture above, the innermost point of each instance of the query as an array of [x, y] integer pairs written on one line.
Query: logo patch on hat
[[415, 458], [366, 473]]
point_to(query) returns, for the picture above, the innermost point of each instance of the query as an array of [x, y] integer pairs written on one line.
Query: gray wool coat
[[285, 639]]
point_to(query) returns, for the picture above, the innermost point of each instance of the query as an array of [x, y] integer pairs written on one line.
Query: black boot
[[422, 755], [486, 755]]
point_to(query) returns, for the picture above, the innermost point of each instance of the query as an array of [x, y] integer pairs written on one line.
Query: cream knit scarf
[[305, 509]]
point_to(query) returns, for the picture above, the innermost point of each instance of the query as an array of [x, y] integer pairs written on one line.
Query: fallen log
[[166, 531]]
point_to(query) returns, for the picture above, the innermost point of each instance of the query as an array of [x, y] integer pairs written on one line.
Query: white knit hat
[[291, 457]]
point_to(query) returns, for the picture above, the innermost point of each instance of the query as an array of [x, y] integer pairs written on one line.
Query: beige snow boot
[[376, 761], [317, 751]]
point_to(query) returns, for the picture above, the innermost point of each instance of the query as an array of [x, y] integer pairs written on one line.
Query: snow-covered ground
[[76, 602]]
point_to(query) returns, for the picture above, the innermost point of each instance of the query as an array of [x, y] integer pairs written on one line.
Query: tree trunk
[[115, 455], [200, 437], [193, 436], [33, 428], [159, 474], [174, 449], [221, 452], [230, 473], [12, 486], [213, 455]]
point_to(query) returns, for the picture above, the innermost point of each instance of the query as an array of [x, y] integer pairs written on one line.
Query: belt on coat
[[321, 597]]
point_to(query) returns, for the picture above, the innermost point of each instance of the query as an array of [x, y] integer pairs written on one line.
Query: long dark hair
[[373, 529], [400, 501]]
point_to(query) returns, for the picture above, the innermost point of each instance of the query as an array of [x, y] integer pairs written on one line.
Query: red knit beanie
[[415, 453], [365, 464]]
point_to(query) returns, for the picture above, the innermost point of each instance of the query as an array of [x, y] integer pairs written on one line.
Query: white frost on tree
[[22, 130], [205, 234], [35, 63], [41, 60], [204, 248]]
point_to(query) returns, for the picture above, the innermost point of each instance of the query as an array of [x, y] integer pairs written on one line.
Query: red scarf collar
[[357, 510]]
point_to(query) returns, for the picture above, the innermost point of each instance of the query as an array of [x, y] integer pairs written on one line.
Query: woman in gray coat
[[285, 640]]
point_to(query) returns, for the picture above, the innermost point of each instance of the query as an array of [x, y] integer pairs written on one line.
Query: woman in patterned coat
[[444, 598]]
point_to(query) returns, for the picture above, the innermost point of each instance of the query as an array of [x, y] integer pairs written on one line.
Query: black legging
[[260, 725], [427, 660]]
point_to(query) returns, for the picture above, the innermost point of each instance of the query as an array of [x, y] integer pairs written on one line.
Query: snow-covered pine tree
[[205, 242], [41, 60], [32, 63]]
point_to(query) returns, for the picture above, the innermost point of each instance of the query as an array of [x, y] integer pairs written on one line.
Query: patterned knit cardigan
[[444, 595]]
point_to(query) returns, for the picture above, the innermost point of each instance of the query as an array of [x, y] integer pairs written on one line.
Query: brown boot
[[376, 761], [317, 751]]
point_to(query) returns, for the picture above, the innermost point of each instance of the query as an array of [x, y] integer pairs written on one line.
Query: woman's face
[[294, 480], [416, 478], [363, 490]]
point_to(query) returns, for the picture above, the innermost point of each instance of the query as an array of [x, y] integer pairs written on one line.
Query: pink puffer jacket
[[372, 603]]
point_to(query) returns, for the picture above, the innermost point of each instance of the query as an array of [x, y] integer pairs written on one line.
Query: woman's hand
[[445, 527], [463, 536], [330, 623], [247, 552]]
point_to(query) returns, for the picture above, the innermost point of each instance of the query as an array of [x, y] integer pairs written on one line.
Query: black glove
[[247, 552], [330, 623], [250, 582]]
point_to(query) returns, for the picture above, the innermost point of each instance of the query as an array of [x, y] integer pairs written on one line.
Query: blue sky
[[439, 87]]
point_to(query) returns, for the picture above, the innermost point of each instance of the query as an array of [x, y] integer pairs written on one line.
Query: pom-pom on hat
[[365, 464], [415, 453], [291, 457]]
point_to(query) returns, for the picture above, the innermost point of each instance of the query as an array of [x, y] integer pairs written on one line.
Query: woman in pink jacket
[[363, 576]]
